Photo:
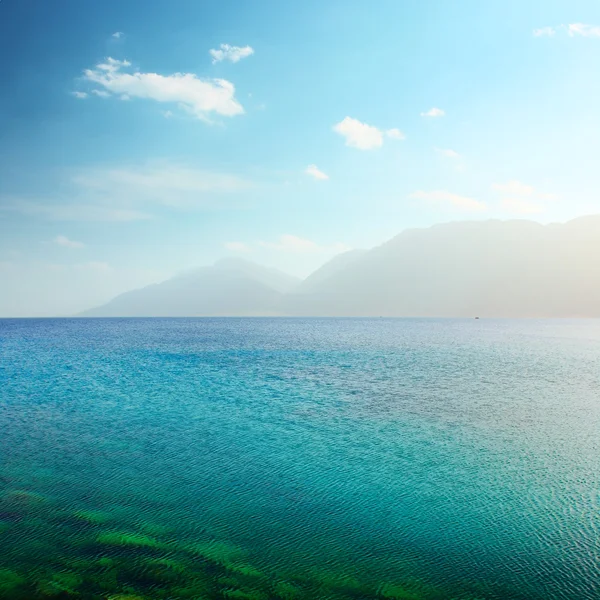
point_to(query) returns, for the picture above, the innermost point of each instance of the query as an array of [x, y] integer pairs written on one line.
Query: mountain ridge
[[492, 268]]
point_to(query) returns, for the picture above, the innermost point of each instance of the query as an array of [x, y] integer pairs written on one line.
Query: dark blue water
[[318, 458]]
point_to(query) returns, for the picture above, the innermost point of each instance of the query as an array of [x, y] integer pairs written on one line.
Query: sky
[[142, 139]]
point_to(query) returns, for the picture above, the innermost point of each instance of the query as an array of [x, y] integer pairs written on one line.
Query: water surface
[[291, 458]]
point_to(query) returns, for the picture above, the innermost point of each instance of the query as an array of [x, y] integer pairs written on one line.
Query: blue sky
[[130, 152]]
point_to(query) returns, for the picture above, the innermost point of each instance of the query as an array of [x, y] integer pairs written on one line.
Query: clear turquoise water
[[333, 458]]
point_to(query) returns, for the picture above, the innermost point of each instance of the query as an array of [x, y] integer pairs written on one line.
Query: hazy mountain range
[[477, 268]]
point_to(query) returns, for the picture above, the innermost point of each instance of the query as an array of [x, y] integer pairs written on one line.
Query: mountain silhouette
[[492, 268], [231, 286]]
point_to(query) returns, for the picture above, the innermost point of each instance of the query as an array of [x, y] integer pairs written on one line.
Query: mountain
[[230, 287], [490, 268], [336, 264]]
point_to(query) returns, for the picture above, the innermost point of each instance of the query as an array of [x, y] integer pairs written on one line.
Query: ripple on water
[[281, 459]]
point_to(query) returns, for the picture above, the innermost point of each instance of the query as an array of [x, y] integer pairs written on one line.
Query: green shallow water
[[320, 458]]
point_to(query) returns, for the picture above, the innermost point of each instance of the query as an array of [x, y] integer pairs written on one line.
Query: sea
[[258, 459]]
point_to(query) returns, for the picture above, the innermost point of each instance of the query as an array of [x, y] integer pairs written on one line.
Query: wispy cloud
[[237, 247], [199, 97], [453, 158], [518, 188], [100, 93], [289, 244], [63, 240], [80, 95], [584, 30], [571, 29], [395, 134], [520, 198], [48, 209], [131, 193], [544, 32], [448, 153], [145, 189], [514, 187], [231, 53], [433, 113], [520, 206], [450, 200], [166, 184], [118, 35], [297, 245], [315, 172]]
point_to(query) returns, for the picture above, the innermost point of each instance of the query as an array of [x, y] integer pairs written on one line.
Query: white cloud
[[168, 114], [237, 247], [520, 206], [364, 137], [80, 95], [584, 30], [315, 172], [112, 65], [434, 112], [514, 187], [118, 35], [297, 245], [518, 197], [231, 53], [518, 188], [395, 134], [444, 197], [199, 97], [571, 29], [101, 93], [544, 32], [448, 153], [359, 135], [63, 240]]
